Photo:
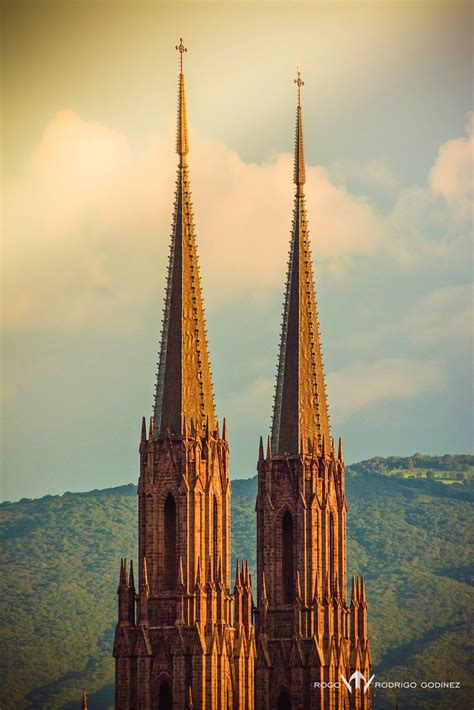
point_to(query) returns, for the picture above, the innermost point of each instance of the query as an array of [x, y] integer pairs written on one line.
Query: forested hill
[[409, 532], [446, 469]]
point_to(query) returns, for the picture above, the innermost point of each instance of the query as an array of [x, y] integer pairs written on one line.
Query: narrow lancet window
[[287, 561], [332, 569], [215, 521], [165, 698], [170, 558], [284, 702]]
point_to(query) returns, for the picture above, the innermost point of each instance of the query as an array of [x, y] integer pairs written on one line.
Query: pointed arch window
[[170, 557], [284, 702], [165, 697], [287, 558]]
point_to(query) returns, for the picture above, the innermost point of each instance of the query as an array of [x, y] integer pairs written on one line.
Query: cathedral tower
[[176, 644], [307, 633]]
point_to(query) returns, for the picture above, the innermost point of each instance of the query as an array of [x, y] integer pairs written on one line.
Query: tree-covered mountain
[[411, 537]]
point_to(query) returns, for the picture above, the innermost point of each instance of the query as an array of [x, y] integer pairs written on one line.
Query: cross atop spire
[[183, 386], [299, 83], [300, 412], [182, 125], [299, 176], [181, 49]]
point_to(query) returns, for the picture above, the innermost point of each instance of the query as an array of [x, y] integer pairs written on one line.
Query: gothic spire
[[184, 385], [300, 409]]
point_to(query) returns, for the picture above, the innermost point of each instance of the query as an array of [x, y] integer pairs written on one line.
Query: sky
[[89, 96]]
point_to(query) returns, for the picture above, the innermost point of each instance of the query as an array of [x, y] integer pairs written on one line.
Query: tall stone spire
[[175, 643], [300, 409], [184, 385]]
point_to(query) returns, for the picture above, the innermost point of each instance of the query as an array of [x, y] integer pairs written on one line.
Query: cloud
[[87, 226], [361, 385], [441, 318], [374, 177], [422, 229], [81, 244], [452, 175], [254, 399]]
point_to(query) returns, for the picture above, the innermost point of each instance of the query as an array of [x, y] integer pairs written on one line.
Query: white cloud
[[254, 400], [452, 175], [373, 176], [87, 225], [443, 315], [423, 228], [361, 385], [440, 318]]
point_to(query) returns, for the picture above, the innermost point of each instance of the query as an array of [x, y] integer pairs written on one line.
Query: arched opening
[[165, 697], [332, 569], [171, 567], [284, 702], [215, 539], [287, 561]]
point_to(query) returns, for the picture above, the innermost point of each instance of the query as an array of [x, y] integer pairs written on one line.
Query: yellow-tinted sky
[[113, 62], [88, 112]]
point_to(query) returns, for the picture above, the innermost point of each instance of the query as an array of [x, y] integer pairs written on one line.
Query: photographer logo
[[358, 677]]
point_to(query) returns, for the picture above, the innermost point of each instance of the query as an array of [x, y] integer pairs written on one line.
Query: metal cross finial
[[181, 49], [299, 82]]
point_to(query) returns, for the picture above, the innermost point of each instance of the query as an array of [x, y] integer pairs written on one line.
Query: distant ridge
[[459, 466], [410, 536]]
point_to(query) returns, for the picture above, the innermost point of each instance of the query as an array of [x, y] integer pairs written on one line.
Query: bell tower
[[176, 644], [307, 635]]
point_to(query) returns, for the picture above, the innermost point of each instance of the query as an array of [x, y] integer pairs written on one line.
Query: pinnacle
[[123, 572], [340, 453], [180, 573], [316, 586], [298, 586], [144, 574], [353, 591], [237, 584], [264, 596], [210, 575], [198, 573], [269, 448], [220, 576]]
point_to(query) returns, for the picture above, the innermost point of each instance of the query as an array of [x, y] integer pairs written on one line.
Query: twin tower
[[183, 641]]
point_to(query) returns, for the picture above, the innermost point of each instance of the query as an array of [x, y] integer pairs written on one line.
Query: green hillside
[[410, 536], [446, 469]]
